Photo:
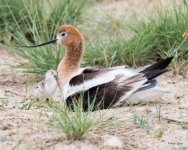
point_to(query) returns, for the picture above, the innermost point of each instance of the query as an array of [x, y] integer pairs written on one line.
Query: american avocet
[[104, 87], [46, 88]]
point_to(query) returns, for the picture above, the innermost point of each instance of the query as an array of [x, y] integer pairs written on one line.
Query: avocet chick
[[47, 88]]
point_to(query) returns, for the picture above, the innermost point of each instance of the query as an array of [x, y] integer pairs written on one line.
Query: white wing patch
[[98, 80]]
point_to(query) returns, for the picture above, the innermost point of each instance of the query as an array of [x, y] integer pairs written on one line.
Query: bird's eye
[[63, 34]]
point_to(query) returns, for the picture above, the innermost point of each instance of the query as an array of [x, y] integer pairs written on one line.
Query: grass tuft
[[75, 125], [147, 39], [158, 35], [140, 120], [36, 24]]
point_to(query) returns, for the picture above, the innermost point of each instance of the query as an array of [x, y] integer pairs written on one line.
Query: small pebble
[[3, 138], [113, 142]]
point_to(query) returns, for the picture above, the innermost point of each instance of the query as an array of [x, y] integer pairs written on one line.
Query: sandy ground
[[24, 129]]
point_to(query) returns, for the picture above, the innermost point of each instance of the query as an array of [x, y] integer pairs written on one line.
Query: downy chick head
[[39, 90], [47, 88]]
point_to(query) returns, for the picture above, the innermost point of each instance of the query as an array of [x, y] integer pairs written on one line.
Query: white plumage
[[47, 87]]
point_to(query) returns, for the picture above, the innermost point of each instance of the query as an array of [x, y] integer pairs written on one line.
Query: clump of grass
[[140, 120], [3, 102], [185, 126], [74, 124], [105, 53], [159, 133], [40, 23], [155, 36], [68, 11], [162, 31], [6, 19], [158, 35], [16, 15]]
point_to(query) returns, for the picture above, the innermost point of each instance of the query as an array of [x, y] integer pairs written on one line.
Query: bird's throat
[[71, 62]]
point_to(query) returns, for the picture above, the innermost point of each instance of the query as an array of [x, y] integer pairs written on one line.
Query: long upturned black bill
[[49, 42]]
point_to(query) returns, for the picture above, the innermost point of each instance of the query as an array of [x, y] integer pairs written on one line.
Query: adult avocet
[[103, 87]]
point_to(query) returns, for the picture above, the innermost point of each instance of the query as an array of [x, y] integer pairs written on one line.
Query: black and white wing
[[110, 87]]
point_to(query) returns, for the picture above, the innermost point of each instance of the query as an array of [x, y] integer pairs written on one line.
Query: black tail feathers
[[161, 64], [157, 68], [153, 74]]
